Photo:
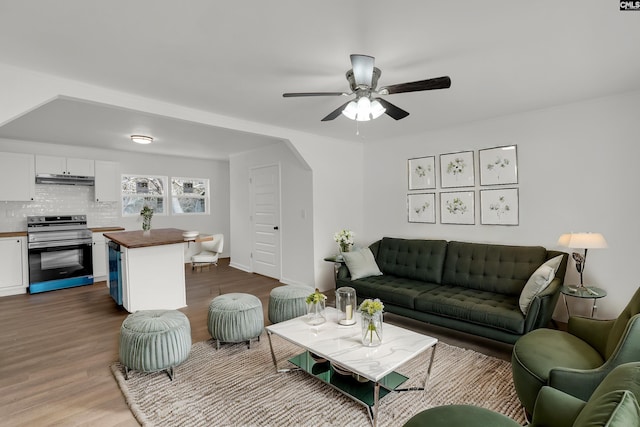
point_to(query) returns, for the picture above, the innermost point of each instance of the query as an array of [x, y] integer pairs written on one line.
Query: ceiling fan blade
[[429, 84], [362, 66], [393, 111], [335, 113], [295, 94]]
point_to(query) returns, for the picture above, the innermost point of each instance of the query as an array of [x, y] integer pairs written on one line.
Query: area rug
[[236, 386]]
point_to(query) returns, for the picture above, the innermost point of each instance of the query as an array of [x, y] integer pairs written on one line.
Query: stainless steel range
[[60, 252]]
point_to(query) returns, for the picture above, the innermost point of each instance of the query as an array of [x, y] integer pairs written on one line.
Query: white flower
[[344, 237]]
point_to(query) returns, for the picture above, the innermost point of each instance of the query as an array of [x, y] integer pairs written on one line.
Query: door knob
[[276, 228]]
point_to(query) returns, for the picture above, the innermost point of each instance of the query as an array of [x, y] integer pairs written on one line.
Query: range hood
[[47, 178]]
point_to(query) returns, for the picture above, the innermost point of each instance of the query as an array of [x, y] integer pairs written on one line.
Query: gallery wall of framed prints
[[454, 197]]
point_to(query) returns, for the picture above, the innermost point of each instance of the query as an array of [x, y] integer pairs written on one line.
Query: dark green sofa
[[470, 287]]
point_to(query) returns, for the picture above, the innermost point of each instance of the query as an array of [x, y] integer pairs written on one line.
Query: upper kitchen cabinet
[[64, 166], [17, 175], [107, 181]]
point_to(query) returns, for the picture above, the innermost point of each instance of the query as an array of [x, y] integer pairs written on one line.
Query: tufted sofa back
[[495, 268], [417, 259]]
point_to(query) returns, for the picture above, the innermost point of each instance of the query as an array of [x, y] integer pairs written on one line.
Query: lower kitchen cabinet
[[99, 257], [14, 274]]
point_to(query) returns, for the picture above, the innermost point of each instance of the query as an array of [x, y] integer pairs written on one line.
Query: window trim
[[163, 196], [206, 197]]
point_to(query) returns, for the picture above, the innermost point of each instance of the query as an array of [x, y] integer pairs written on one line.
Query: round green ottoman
[[460, 415], [287, 302], [154, 340], [235, 318]]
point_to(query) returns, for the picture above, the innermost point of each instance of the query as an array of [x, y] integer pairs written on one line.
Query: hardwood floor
[[56, 347]]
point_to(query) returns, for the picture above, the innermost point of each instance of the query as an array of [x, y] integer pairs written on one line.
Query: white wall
[[577, 170], [52, 199]]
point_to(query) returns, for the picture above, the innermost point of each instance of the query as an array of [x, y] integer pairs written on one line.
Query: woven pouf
[[235, 318], [154, 340], [287, 302]]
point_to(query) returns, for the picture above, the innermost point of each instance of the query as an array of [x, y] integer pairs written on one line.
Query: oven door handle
[[41, 245]]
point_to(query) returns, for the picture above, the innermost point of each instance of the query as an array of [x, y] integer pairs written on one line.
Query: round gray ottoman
[[287, 302], [154, 340], [235, 318]]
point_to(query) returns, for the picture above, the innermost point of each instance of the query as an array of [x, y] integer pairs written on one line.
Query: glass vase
[[372, 329], [345, 247], [146, 223], [315, 313]]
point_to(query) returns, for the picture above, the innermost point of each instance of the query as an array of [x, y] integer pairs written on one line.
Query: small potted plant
[[315, 308], [146, 213], [371, 313]]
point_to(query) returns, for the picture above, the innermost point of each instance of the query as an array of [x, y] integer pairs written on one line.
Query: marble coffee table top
[[343, 345]]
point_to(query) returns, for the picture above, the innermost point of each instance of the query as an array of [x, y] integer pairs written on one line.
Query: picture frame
[[457, 170], [421, 207], [499, 206], [457, 207], [498, 165], [422, 173]]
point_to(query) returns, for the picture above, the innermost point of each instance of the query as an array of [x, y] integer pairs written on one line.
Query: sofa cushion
[[494, 268], [390, 289], [412, 259], [361, 263], [616, 408], [486, 308], [538, 282]]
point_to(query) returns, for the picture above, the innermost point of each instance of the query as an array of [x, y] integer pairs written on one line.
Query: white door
[[265, 199]]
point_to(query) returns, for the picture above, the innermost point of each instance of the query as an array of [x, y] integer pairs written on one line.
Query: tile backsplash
[[59, 199]]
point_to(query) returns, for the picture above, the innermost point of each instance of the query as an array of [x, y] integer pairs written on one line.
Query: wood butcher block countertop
[[157, 237]]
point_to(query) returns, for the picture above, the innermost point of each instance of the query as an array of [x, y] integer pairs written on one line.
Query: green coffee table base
[[361, 392]]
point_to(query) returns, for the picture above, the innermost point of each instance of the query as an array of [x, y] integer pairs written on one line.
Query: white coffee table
[[342, 345]]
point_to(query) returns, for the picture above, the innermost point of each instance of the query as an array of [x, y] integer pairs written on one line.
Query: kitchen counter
[[105, 229], [138, 239], [13, 234]]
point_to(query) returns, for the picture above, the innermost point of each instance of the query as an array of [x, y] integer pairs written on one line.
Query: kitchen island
[[146, 269]]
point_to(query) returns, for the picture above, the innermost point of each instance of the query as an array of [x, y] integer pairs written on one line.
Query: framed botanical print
[[422, 207], [457, 207], [422, 173], [499, 165], [457, 170], [499, 207]]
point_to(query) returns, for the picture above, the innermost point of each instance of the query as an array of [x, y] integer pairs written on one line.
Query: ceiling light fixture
[[363, 109], [141, 139]]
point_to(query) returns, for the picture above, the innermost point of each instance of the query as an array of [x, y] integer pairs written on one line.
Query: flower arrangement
[[316, 297], [371, 311], [146, 213], [344, 238]]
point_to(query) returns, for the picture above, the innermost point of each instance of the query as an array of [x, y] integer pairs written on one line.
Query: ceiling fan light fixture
[[141, 139], [351, 110], [377, 109], [364, 109]]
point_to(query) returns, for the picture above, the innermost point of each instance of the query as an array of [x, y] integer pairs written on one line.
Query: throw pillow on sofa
[[361, 263], [538, 282]]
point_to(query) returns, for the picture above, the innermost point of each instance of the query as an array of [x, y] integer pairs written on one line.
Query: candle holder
[[346, 304]]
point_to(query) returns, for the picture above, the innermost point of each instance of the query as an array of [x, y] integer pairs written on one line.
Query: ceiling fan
[[367, 105]]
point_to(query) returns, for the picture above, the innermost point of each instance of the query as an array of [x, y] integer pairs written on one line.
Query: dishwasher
[[115, 271]]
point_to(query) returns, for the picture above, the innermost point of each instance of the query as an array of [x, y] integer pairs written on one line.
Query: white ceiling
[[236, 58]]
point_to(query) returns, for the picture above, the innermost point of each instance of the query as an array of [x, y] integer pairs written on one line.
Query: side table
[[583, 293], [337, 261]]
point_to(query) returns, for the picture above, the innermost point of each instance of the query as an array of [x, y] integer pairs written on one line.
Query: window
[[189, 196], [140, 190]]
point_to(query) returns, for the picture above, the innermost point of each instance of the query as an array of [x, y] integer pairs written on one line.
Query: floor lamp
[[582, 241]]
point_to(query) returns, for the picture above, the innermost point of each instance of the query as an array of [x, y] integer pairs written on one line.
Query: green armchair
[[575, 361], [613, 404]]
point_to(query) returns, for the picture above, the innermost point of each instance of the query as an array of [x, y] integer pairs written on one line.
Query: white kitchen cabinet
[[107, 181], [64, 166], [17, 177], [14, 274], [99, 257]]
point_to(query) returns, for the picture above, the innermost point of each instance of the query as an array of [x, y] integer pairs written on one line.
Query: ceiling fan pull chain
[[357, 128]]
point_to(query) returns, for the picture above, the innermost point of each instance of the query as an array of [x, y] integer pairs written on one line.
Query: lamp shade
[[583, 240]]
